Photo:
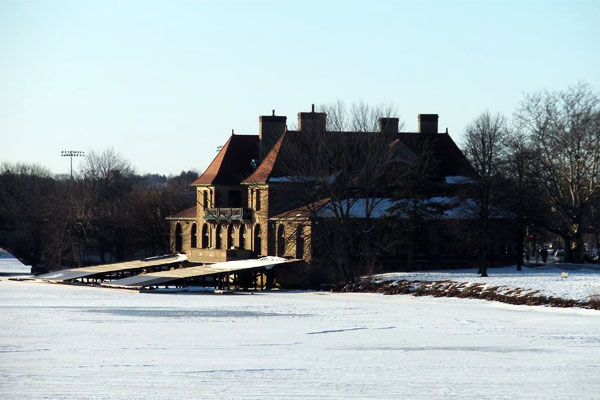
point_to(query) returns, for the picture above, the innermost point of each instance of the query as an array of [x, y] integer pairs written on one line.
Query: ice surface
[[76, 342]]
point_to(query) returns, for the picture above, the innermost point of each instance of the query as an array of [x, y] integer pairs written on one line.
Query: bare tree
[[109, 177], [485, 146], [564, 127], [102, 166], [340, 175], [23, 201], [521, 170], [358, 117], [413, 209]]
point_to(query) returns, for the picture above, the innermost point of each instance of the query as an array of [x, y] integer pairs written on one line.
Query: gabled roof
[[450, 159], [273, 167], [190, 213], [267, 166], [233, 163]]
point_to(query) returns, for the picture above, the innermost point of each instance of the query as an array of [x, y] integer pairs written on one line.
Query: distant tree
[[108, 178], [358, 116], [564, 128], [485, 146], [24, 190], [150, 206]]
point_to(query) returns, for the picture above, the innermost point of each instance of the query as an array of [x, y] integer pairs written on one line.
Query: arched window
[[178, 237], [257, 200], [242, 236], [300, 242], [271, 239], [230, 236], [194, 236], [281, 241], [205, 236], [257, 240], [218, 237]]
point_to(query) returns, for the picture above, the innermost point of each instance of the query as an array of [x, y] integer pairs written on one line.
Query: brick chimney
[[312, 121], [270, 128], [388, 125], [428, 123]]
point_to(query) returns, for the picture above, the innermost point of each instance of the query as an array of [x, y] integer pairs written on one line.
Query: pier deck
[[114, 270], [217, 271]]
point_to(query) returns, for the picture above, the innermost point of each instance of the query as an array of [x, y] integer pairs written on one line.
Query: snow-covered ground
[[77, 342], [582, 282]]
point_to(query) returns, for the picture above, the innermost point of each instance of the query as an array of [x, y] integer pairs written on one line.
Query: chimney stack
[[388, 125], [312, 121], [270, 128], [428, 123]]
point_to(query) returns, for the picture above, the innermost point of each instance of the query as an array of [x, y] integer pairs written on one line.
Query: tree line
[[106, 213]]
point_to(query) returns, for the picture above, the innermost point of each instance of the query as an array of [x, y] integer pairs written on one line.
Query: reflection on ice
[[182, 313]]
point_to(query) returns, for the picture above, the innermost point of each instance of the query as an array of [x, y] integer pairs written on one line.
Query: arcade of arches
[[286, 241]]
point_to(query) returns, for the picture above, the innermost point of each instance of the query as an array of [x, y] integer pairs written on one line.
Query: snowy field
[[582, 282], [76, 342]]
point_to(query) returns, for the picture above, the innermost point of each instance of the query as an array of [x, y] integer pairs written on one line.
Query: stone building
[[252, 199]]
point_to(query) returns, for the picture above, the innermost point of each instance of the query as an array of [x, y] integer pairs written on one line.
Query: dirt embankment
[[468, 291]]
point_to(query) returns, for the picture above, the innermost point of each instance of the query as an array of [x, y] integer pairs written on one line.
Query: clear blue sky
[[164, 82]]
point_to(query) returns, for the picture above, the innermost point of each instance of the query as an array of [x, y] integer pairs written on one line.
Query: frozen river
[[65, 342]]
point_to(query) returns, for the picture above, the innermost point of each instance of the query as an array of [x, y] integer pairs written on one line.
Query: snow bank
[[582, 281]]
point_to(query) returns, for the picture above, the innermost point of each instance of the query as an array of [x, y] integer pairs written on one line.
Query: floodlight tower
[[71, 154]]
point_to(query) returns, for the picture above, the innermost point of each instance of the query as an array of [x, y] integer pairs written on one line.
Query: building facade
[[252, 199]]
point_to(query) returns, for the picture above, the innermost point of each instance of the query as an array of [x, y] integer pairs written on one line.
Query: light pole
[[71, 154]]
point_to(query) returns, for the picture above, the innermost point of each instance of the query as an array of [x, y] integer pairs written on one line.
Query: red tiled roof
[[266, 167], [273, 164], [233, 163], [407, 146], [190, 213]]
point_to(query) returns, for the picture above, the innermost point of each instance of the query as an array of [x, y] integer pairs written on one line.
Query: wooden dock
[[240, 273], [114, 271]]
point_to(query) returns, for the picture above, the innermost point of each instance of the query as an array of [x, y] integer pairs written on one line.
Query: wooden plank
[[218, 270], [76, 273]]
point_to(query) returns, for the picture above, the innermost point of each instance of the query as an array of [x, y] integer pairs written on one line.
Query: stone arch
[[280, 240], [242, 237], [205, 236], [230, 236], [218, 242], [178, 238], [257, 240], [194, 235]]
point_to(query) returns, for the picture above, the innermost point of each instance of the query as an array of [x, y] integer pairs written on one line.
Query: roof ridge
[[265, 169], [216, 162]]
